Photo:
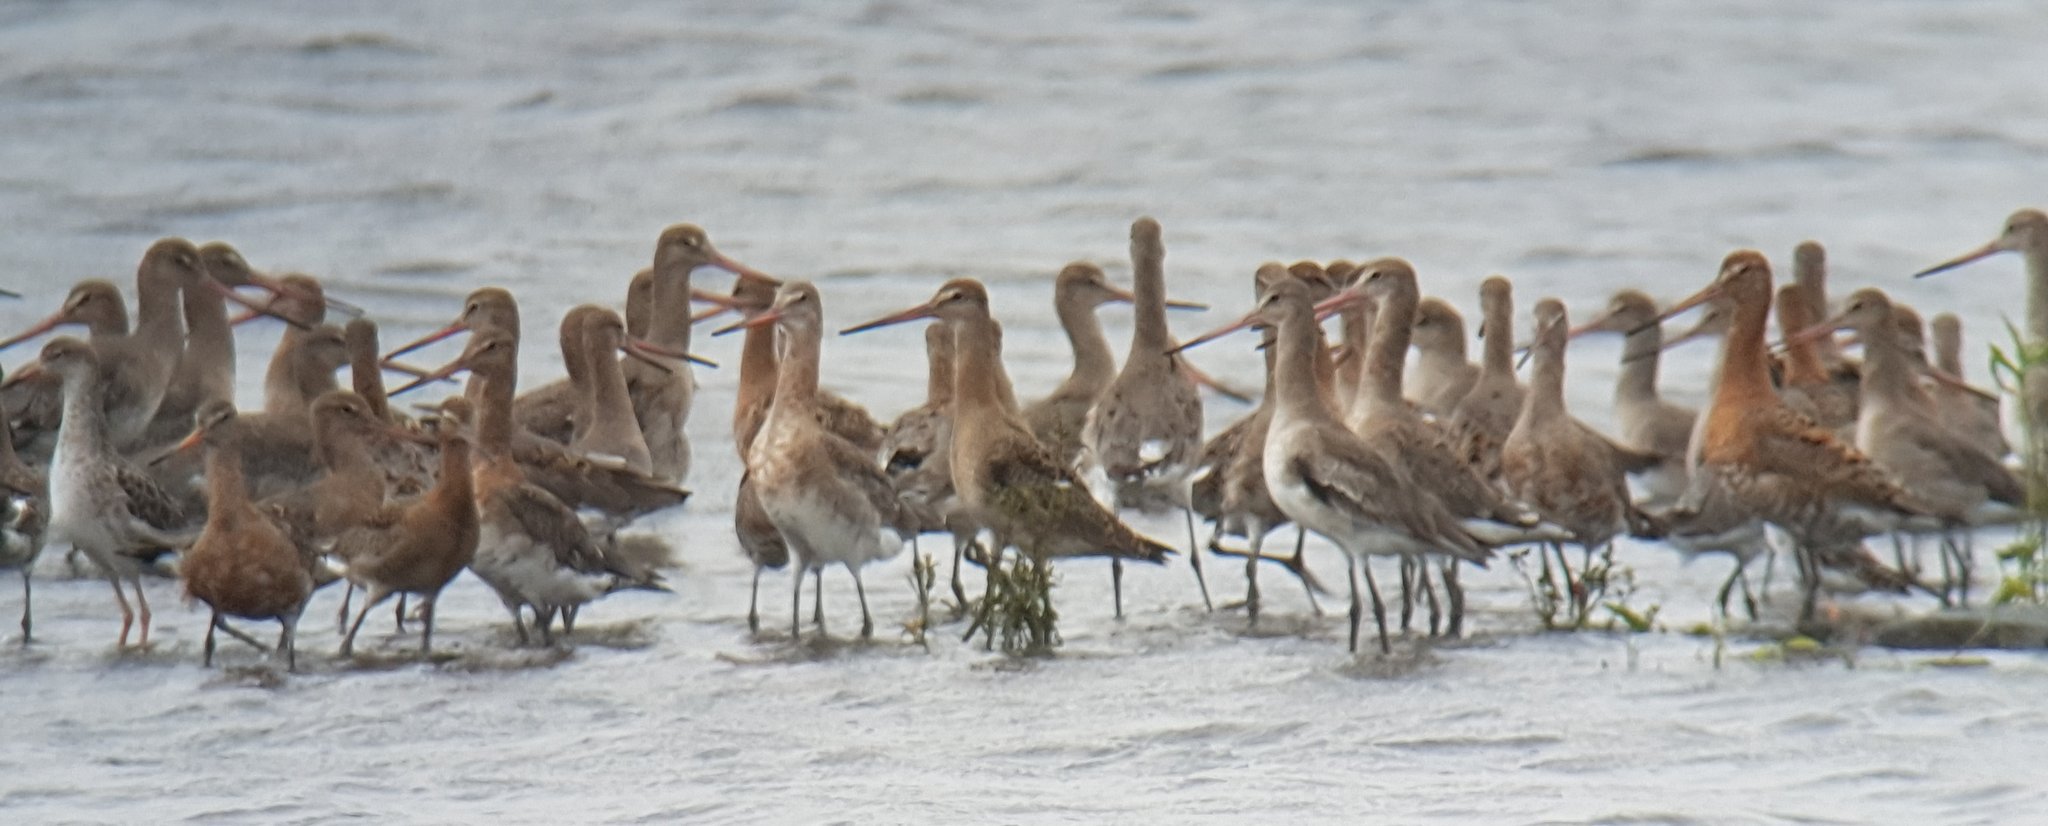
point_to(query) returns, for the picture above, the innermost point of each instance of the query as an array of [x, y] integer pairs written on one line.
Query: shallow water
[[409, 153]]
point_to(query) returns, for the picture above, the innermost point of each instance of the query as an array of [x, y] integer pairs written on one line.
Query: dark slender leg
[[348, 593], [796, 604], [1436, 609], [1308, 583], [1728, 588], [1251, 575], [1748, 599], [1571, 590], [867, 622], [1809, 569], [818, 598], [754, 604], [544, 619], [1379, 608], [348, 641], [519, 624], [398, 614], [1770, 569], [988, 601], [1195, 559], [222, 624], [1116, 584], [959, 558], [27, 598], [1455, 593], [1899, 554], [207, 659], [1948, 576], [1962, 555], [1357, 607], [1407, 573], [288, 639]]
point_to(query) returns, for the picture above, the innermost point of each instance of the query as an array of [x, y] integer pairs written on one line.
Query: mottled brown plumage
[[1646, 422], [532, 549], [243, 564], [1973, 417], [1230, 490], [1901, 428], [606, 425], [1805, 383], [1771, 460], [205, 371], [418, 546], [1006, 478], [756, 390], [1327, 479], [1487, 413], [1144, 434], [1058, 419], [828, 498], [1568, 474]]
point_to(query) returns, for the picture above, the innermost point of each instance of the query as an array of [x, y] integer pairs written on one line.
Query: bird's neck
[[796, 377], [345, 454], [280, 379], [1745, 373], [1499, 353], [1094, 365], [1150, 337], [669, 324], [610, 405], [493, 395], [227, 494], [1380, 386], [209, 346], [1545, 400], [2037, 290], [977, 369], [1442, 357], [756, 384], [456, 483], [1294, 381], [84, 426], [366, 378], [1640, 352], [1355, 328], [1889, 374], [938, 379], [1802, 359], [158, 317]]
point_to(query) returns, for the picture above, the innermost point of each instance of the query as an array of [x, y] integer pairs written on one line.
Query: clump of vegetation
[[1564, 599], [1018, 613], [1802, 649], [2023, 564]]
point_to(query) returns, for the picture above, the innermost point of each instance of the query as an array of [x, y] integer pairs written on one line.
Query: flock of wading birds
[[126, 446]]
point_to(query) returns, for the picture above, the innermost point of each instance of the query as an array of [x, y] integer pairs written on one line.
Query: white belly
[[824, 535], [524, 573], [75, 516]]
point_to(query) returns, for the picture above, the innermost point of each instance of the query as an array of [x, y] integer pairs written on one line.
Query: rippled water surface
[[410, 152]]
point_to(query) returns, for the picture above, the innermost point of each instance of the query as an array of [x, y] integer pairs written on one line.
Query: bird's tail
[[1143, 549]]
